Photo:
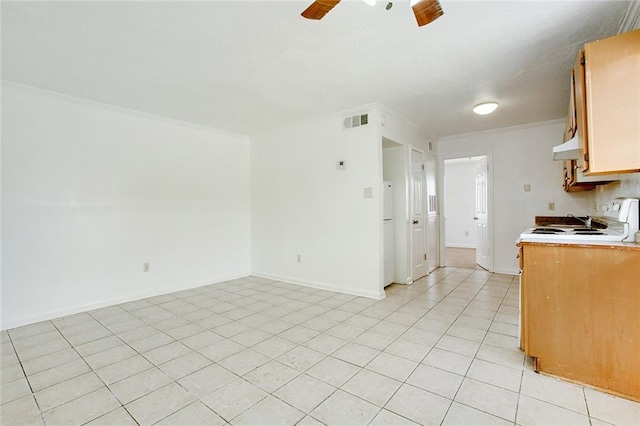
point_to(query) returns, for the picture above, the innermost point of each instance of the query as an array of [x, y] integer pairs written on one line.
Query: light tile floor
[[257, 352]]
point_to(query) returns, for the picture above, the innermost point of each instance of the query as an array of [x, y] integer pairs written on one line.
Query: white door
[[418, 217], [481, 216], [433, 231]]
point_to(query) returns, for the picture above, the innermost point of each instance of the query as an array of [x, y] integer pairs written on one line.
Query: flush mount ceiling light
[[485, 108]]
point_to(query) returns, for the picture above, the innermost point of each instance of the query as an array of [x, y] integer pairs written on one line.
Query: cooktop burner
[[571, 234]]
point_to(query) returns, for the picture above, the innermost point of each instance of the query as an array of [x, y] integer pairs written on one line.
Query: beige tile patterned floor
[[258, 352]]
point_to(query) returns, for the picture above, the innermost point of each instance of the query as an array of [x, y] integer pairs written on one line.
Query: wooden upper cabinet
[[611, 104]]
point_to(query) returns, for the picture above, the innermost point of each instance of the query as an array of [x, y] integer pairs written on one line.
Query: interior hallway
[[253, 351], [461, 258]]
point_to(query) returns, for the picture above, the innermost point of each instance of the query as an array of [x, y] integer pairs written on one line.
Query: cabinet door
[[571, 181], [581, 106], [580, 313], [523, 302], [612, 81], [570, 128]]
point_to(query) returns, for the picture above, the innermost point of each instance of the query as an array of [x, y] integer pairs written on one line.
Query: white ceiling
[[250, 66]]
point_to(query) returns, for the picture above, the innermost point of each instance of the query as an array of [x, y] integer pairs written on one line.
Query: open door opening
[[467, 234], [410, 215], [395, 234]]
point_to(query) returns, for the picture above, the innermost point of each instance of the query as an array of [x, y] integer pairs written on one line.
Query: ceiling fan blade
[[427, 11], [319, 8]]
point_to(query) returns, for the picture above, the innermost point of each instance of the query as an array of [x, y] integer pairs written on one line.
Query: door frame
[[490, 198]]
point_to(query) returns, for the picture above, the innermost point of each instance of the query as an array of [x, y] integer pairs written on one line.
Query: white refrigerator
[[387, 225]]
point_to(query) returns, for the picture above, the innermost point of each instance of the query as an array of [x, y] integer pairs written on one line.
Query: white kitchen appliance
[[387, 225], [619, 223]]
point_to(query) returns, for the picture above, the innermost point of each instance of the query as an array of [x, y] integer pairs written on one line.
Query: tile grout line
[[214, 363], [26, 377], [443, 334], [329, 355], [473, 358], [380, 408]]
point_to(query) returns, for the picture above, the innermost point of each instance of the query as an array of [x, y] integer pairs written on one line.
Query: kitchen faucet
[[587, 221]]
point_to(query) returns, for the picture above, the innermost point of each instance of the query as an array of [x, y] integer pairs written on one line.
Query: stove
[[620, 222]]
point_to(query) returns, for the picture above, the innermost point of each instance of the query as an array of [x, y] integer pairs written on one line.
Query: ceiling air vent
[[356, 121]]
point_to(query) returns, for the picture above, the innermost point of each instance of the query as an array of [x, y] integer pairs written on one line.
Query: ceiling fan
[[426, 11]]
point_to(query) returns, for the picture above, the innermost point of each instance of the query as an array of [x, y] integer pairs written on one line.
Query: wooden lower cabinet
[[580, 309]]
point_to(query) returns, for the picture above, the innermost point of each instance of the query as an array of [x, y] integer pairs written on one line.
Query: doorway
[[466, 233], [396, 252], [411, 174]]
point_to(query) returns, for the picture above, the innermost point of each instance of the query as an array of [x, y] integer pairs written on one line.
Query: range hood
[[570, 150]]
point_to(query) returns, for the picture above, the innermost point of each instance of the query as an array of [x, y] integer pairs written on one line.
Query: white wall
[[89, 193], [460, 196], [520, 155], [302, 205]]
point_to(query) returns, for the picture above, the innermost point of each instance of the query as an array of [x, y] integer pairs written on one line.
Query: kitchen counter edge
[[551, 242]]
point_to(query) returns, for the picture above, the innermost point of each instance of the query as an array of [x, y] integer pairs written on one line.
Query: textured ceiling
[[251, 66]]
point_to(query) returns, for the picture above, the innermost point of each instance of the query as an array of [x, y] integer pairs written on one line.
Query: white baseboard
[[19, 322], [473, 246], [322, 286]]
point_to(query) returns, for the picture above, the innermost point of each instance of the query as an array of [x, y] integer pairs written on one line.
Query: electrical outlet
[[145, 267], [368, 193], [551, 205], [527, 187], [299, 258]]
